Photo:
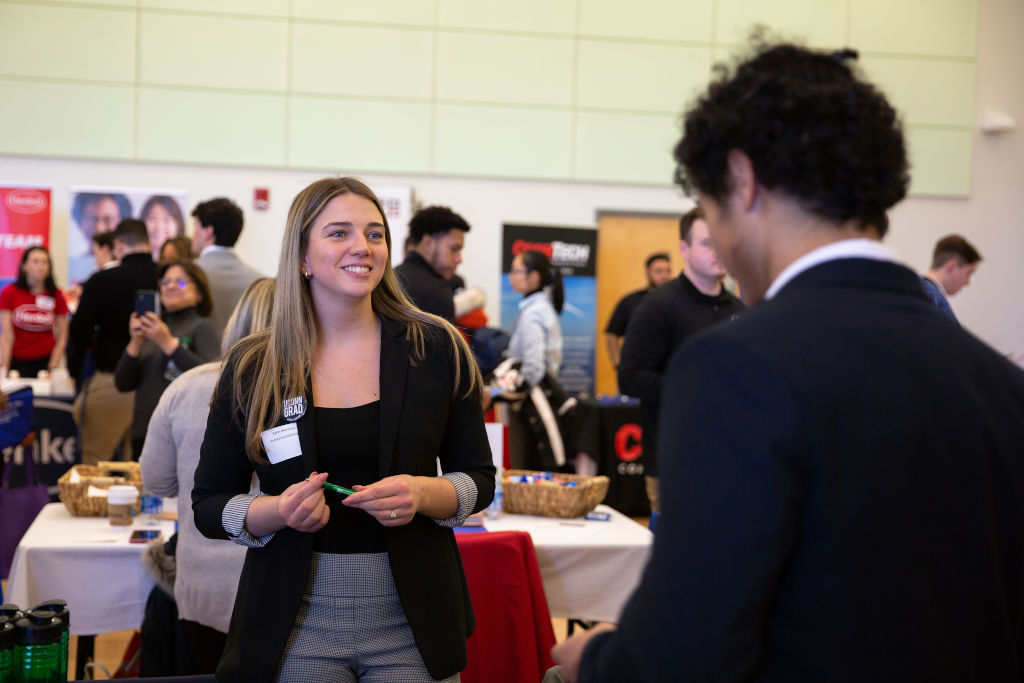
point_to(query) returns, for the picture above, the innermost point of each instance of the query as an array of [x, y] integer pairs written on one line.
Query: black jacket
[[419, 422], [425, 287], [108, 298], [842, 498], [668, 316]]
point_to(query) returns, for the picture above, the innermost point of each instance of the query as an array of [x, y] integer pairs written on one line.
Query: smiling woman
[[161, 348], [353, 380], [33, 317]]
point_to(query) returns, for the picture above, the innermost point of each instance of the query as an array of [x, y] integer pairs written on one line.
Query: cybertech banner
[[574, 252], [24, 223]]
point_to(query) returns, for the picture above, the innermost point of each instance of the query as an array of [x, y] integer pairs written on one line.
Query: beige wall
[[988, 213], [584, 90]]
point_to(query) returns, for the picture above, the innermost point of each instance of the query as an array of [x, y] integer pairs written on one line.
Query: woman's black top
[[348, 450]]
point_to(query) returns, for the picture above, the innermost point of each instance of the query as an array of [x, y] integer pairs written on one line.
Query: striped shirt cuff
[[465, 488], [233, 521]]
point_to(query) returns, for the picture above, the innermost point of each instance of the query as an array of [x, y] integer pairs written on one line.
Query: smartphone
[[147, 300], [144, 535]]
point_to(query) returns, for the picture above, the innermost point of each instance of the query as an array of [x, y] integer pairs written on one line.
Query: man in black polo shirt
[[436, 237], [100, 324], [658, 268], [667, 318]]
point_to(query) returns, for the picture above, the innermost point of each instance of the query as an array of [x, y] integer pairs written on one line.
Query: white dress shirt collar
[[853, 248]]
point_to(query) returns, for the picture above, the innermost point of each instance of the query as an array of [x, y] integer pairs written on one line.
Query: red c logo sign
[[628, 445]]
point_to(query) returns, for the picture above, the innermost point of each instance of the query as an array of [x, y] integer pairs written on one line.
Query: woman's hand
[[392, 501], [302, 505], [158, 332], [137, 333]]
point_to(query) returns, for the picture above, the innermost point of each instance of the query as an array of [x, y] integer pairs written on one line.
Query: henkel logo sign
[[33, 319], [558, 252], [25, 201]]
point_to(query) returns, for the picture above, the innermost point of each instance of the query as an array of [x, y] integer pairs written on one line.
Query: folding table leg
[[85, 649]]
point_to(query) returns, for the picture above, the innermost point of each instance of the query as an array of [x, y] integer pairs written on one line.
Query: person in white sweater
[[207, 569]]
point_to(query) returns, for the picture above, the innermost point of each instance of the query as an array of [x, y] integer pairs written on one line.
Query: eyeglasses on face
[[518, 271], [180, 283]]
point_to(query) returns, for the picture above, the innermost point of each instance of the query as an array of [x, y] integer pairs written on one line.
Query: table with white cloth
[[88, 563], [589, 568]]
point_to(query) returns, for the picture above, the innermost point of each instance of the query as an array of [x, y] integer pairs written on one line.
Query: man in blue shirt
[[953, 263]]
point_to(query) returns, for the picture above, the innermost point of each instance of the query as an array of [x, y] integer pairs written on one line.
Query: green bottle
[[60, 610], [8, 639], [38, 658]]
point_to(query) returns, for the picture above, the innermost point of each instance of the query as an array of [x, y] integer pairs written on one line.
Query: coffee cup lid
[[121, 494]]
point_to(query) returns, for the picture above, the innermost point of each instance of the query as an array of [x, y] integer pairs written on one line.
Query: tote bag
[[18, 506]]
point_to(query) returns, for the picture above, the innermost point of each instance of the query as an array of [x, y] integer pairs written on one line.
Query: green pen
[[338, 489]]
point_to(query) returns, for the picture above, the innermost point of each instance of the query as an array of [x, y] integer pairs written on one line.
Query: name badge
[[294, 408], [281, 443], [47, 303]]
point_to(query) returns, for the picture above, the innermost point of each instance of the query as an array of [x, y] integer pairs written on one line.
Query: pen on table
[[338, 489]]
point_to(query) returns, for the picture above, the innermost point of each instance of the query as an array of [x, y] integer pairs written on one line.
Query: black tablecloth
[[610, 433]]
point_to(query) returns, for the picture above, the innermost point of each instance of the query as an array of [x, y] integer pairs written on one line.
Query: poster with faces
[[99, 209]]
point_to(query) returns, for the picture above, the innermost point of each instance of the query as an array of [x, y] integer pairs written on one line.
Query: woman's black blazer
[[419, 422]]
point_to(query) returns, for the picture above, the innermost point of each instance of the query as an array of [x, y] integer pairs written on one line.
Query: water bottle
[[8, 639], [495, 509], [38, 652], [151, 507], [60, 610]]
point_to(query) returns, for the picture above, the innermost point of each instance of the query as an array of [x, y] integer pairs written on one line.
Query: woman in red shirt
[[33, 317]]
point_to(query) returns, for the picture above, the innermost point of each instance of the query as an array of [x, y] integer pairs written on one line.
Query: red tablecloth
[[513, 637]]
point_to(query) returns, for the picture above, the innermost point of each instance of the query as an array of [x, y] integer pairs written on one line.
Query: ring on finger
[[393, 514]]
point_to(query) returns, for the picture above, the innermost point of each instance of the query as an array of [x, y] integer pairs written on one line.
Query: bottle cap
[[8, 634], [58, 607], [11, 611], [39, 627]]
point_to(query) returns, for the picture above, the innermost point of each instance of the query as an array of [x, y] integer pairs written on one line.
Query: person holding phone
[[163, 346], [33, 317], [353, 380]]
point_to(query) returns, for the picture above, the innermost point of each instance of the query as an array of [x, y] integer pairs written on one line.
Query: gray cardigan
[[208, 569]]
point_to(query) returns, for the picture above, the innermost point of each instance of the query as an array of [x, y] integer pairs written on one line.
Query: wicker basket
[[553, 501], [102, 475]]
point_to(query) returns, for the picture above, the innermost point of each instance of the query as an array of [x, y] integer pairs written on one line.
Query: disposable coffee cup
[[120, 499]]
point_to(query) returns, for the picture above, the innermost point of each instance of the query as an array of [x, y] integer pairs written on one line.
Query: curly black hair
[[435, 220], [811, 127]]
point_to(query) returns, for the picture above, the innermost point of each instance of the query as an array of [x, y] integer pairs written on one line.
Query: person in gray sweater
[[161, 348], [208, 570]]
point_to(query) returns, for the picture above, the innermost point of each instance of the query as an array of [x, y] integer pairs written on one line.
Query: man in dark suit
[[847, 465], [436, 238], [100, 324], [217, 225]]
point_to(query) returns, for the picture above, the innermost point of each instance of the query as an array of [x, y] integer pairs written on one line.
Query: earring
[[306, 274]]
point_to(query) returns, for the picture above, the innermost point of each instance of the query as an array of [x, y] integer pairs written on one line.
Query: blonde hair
[[251, 314], [277, 361]]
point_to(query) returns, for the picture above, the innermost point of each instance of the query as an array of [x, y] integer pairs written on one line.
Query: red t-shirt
[[32, 316]]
